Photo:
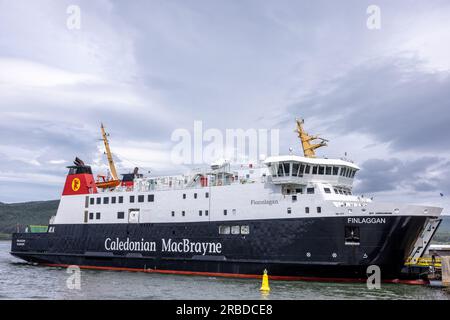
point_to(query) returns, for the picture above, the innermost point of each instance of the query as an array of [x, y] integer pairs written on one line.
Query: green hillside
[[38, 212]]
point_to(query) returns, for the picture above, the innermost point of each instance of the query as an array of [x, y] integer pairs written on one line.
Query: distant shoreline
[[5, 237]]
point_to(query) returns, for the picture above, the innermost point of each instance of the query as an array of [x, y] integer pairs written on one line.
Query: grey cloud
[[378, 175], [226, 63], [392, 100]]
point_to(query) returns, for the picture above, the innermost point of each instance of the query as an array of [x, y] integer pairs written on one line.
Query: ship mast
[[308, 147], [112, 166]]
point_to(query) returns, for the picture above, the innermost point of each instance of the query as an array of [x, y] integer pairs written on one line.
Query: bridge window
[[307, 167], [335, 171], [328, 170], [302, 168], [280, 170], [321, 169], [314, 170], [286, 168], [105, 200], [327, 190], [295, 167]]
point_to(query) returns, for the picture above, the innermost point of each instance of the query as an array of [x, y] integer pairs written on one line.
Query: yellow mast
[[308, 147], [112, 167]]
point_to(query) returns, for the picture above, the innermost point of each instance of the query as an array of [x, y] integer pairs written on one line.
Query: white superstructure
[[280, 187]]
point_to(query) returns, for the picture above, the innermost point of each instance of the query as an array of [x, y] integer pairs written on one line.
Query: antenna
[[112, 166], [306, 139]]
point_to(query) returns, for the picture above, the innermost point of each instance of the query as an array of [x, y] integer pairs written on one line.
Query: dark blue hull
[[287, 248]]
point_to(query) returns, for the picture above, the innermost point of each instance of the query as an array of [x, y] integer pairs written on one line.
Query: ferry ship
[[294, 216]]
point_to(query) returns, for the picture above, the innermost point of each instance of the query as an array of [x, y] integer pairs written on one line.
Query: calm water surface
[[19, 280]]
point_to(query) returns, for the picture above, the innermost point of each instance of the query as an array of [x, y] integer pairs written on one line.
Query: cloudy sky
[[146, 68]]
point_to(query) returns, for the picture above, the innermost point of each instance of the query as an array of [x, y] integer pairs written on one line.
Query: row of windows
[[342, 191], [234, 230], [119, 199], [206, 212], [338, 191], [300, 190], [97, 215], [120, 215], [347, 172], [200, 213], [298, 170], [318, 209], [195, 195]]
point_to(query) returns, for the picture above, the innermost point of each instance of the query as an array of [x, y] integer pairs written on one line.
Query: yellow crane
[[308, 147], [114, 181]]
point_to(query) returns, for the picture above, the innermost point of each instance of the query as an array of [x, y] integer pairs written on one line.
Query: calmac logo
[[76, 184]]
